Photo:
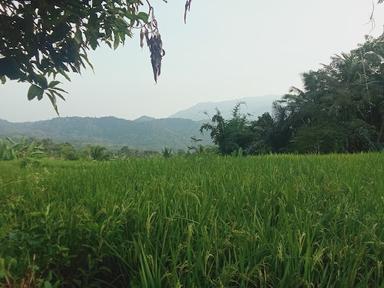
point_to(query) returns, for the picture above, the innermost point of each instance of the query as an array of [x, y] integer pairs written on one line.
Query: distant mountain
[[143, 133], [144, 119], [255, 106]]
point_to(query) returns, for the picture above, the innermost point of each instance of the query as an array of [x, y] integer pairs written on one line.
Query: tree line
[[29, 151], [339, 110]]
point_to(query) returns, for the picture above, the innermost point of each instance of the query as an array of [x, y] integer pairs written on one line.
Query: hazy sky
[[225, 52]]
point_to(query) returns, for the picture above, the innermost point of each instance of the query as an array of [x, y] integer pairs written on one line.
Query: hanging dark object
[[155, 46], [187, 9], [150, 33]]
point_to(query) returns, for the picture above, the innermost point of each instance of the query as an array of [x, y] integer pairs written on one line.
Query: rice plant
[[268, 221]]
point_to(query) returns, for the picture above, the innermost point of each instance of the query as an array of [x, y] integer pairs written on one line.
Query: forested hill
[[152, 134]]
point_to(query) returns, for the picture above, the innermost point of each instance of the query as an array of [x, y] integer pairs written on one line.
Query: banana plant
[[28, 149], [6, 150], [24, 149]]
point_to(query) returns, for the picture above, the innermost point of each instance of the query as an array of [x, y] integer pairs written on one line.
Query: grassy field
[[270, 221]]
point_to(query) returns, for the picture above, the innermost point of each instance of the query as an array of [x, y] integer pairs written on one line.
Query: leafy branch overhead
[[43, 39]]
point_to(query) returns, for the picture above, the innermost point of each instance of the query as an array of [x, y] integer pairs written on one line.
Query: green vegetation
[[114, 217], [267, 221], [27, 150], [32, 150], [44, 39], [340, 109], [111, 132]]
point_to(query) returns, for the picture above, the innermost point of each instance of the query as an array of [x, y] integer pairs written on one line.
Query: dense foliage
[[41, 38], [274, 221], [340, 109], [31, 151]]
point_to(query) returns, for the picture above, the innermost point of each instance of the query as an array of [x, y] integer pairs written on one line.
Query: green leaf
[[59, 89], [78, 37], [47, 284], [53, 84], [42, 81], [143, 16], [84, 56], [35, 91], [10, 68], [109, 44], [62, 72], [3, 79], [55, 93], [116, 42], [93, 42], [52, 98]]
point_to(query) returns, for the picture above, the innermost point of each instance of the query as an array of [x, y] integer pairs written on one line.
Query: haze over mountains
[[145, 133], [255, 106], [109, 131]]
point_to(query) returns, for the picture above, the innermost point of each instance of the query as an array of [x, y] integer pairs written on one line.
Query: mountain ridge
[[144, 133], [152, 134], [255, 106]]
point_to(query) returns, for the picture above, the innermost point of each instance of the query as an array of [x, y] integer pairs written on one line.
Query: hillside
[[151, 134], [255, 106]]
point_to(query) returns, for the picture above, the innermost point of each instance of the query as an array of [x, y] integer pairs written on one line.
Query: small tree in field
[[230, 135], [98, 153]]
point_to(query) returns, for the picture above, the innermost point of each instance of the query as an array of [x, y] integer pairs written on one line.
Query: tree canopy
[[340, 109], [42, 39]]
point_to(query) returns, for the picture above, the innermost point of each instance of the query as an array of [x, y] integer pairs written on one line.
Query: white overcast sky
[[228, 50]]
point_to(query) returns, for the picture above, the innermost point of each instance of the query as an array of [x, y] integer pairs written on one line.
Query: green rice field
[[209, 221]]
